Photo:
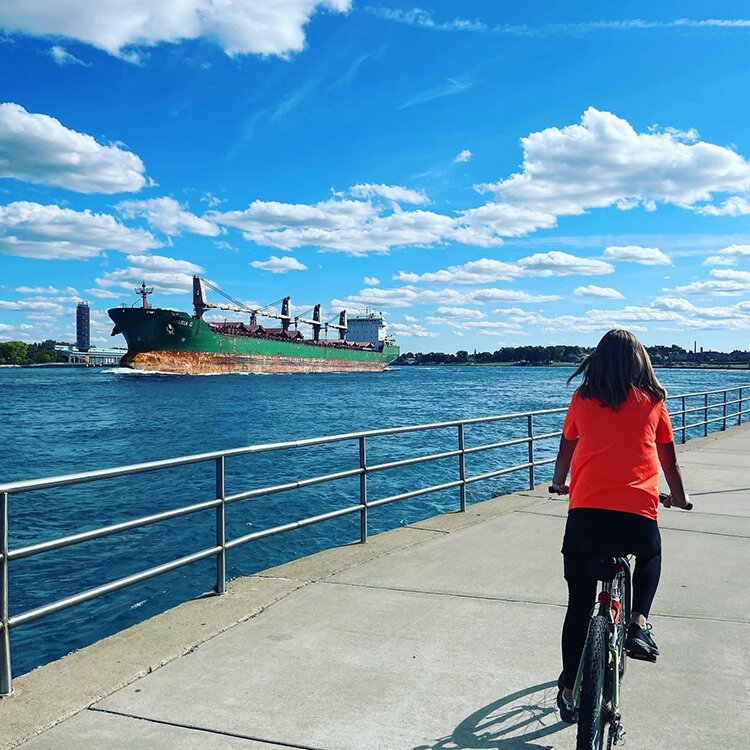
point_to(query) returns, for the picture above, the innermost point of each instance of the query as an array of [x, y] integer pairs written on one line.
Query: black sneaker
[[567, 714], [639, 644]]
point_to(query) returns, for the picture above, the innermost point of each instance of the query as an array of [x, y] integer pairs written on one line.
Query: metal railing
[[220, 544]]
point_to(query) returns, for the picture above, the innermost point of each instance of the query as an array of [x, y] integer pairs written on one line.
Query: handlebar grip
[[663, 496]]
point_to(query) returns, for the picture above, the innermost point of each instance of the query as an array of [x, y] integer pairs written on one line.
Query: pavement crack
[[453, 594], [516, 600], [205, 730], [427, 528]]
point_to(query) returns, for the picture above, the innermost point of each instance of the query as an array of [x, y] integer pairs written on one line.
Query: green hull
[[170, 341]]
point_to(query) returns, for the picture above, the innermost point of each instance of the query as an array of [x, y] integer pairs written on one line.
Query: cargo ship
[[163, 340]]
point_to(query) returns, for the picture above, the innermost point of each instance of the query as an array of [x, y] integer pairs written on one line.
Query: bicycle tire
[[591, 718]]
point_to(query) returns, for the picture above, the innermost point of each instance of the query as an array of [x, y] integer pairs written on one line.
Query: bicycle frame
[[610, 606]]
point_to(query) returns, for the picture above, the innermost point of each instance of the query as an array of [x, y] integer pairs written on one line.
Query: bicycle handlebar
[[662, 497]]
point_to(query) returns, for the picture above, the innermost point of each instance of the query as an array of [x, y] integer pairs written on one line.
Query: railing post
[[739, 411], [221, 534], [6, 683], [363, 489], [530, 431], [684, 437], [705, 414], [724, 421], [462, 467]]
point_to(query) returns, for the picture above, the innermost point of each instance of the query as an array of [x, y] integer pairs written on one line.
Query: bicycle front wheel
[[591, 714]]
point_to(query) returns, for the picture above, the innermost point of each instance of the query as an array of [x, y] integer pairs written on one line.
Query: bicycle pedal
[[641, 656]]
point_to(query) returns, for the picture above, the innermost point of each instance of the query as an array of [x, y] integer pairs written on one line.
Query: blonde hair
[[619, 362]]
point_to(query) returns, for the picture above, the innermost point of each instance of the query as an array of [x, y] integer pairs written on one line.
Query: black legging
[[589, 533]]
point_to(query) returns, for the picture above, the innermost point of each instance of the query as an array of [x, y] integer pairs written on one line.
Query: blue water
[[58, 422]]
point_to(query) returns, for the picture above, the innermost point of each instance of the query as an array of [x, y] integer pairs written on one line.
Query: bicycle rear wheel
[[592, 720]]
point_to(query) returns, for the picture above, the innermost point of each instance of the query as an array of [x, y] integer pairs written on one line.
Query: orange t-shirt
[[615, 465]]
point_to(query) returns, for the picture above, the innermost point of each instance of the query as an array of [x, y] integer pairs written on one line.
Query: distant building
[[92, 356], [83, 353], [83, 327]]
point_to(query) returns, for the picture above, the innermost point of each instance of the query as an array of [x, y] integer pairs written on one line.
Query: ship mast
[[143, 291]]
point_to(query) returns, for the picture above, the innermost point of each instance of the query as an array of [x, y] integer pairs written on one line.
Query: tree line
[[21, 353], [543, 355]]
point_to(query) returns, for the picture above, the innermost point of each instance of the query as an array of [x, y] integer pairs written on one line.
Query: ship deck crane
[[201, 305]]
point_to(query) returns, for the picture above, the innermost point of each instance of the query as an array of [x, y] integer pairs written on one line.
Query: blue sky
[[485, 175]]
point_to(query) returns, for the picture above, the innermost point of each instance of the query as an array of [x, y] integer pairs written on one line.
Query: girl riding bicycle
[[616, 433]]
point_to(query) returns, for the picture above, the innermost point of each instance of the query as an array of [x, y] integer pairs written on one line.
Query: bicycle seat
[[604, 568]]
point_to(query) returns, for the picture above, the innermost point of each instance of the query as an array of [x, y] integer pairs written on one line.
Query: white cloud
[[53, 308], [358, 227], [734, 206], [104, 294], [599, 163], [719, 260], [489, 270], [411, 330], [353, 227], [684, 306], [509, 295], [38, 148], [451, 87], [166, 275], [460, 312], [604, 292], [47, 290], [238, 26], [728, 256], [279, 265], [482, 271], [646, 256], [605, 162], [463, 156], [163, 263], [272, 216], [167, 215], [405, 296], [212, 200], [679, 313], [62, 57], [556, 263], [408, 296], [481, 327], [371, 281], [50, 232], [483, 225], [723, 282], [391, 193], [424, 19]]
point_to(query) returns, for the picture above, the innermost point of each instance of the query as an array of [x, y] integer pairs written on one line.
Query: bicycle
[[596, 693]]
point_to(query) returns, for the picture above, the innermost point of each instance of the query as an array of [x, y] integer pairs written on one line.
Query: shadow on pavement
[[509, 723]]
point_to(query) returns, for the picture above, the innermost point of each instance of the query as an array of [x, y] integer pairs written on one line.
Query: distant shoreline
[[677, 366]]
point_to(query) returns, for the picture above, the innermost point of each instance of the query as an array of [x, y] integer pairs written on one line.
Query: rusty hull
[[208, 363]]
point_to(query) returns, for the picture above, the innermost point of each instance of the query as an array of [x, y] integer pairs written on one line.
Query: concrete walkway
[[437, 636]]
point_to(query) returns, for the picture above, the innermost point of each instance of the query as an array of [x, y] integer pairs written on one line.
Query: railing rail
[[220, 545]]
